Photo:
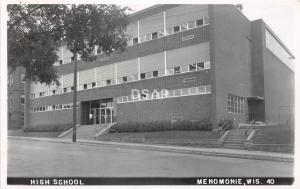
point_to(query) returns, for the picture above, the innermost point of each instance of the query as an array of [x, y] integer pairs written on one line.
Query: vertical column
[[165, 62], [95, 75], [78, 84], [138, 22], [62, 83], [139, 68], [165, 24], [116, 74], [62, 54]]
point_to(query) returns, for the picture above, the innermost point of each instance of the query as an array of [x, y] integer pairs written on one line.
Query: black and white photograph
[[125, 93]]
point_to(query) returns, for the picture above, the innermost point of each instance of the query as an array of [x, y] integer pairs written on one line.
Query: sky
[[280, 17]]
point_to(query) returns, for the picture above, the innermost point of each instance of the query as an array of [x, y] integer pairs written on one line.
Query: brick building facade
[[185, 62]]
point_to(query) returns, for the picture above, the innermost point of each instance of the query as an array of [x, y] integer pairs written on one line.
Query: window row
[[164, 93], [198, 66], [236, 104], [52, 107], [169, 31]]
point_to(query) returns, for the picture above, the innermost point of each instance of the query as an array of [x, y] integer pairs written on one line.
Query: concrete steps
[[235, 139], [84, 132]]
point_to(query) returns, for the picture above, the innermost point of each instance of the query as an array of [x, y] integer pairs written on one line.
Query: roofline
[[151, 11], [277, 38]]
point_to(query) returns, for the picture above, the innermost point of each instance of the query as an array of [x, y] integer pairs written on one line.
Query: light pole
[[74, 98]]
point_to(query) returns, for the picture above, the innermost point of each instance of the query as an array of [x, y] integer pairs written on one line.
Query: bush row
[[152, 126], [48, 128]]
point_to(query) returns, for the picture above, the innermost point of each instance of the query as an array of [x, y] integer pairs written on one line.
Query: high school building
[[183, 62]]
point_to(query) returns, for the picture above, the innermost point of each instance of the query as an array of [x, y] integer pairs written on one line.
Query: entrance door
[[106, 115]]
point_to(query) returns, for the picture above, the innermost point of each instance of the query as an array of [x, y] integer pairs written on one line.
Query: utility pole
[[75, 97]]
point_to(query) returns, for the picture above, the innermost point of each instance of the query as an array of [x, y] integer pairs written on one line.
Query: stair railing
[[250, 128]]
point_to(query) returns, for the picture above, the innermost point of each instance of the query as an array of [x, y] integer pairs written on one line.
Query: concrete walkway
[[234, 153]]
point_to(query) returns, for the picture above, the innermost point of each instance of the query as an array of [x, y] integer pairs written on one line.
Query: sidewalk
[[233, 153]]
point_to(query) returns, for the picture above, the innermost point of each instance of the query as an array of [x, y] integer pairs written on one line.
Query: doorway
[[101, 112]]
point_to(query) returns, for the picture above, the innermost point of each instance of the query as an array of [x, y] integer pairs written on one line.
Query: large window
[[22, 99], [236, 104]]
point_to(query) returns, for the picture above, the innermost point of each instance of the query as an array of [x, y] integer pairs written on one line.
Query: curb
[[187, 150]]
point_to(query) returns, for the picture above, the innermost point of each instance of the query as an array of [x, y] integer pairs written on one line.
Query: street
[[46, 159]]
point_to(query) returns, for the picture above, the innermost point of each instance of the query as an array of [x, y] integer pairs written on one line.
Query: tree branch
[[22, 18]]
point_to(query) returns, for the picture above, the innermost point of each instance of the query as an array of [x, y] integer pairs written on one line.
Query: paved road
[[41, 159]]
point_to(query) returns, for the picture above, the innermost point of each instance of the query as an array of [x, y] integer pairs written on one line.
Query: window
[[236, 104], [32, 95], [10, 101], [84, 86], [125, 98], [199, 22], [208, 88], [135, 40], [193, 90], [108, 82], [155, 73], [22, 99], [72, 58], [192, 67], [177, 92], [184, 68], [93, 84], [53, 92], [42, 93], [119, 99], [22, 78], [206, 20], [154, 35], [200, 66], [184, 27], [191, 24], [176, 29], [148, 37], [169, 31], [170, 71], [124, 79], [11, 80], [207, 65], [201, 90], [177, 70], [60, 62], [143, 75], [161, 33], [148, 75], [185, 91], [65, 90], [72, 88]]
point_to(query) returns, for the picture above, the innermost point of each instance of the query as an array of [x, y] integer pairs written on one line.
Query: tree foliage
[[35, 32]]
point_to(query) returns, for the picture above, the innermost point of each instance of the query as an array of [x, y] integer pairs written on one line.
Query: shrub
[[226, 123], [153, 126], [48, 128]]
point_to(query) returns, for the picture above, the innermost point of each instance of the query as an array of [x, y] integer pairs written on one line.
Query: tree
[[34, 36], [36, 32]]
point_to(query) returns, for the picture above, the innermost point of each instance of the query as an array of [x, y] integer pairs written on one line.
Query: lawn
[[274, 135]]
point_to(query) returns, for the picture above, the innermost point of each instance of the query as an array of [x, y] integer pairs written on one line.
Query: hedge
[[48, 128], [152, 126]]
